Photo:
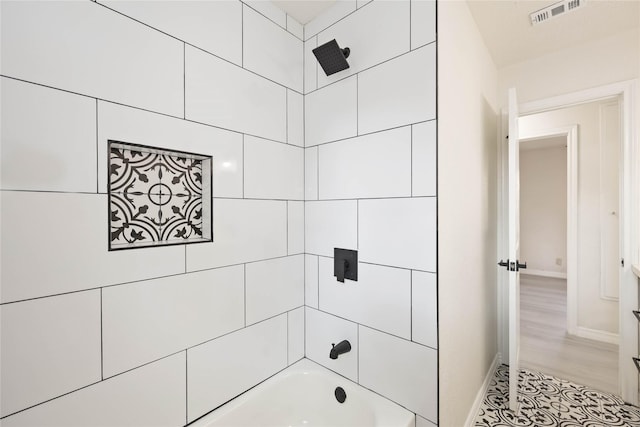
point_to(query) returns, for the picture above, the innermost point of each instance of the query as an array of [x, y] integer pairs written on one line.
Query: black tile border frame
[[152, 149]]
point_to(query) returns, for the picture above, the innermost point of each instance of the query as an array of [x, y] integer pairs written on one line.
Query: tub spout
[[337, 349]]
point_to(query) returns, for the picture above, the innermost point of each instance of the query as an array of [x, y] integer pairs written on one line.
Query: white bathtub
[[303, 395]]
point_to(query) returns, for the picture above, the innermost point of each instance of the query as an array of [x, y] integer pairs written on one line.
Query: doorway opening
[[569, 236], [588, 323]]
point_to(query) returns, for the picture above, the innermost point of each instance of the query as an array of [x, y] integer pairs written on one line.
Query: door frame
[[630, 219]]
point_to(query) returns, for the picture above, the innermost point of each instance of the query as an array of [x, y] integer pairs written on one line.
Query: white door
[[514, 250]]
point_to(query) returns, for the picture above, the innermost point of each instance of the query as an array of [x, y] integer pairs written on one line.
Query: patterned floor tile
[[548, 401]]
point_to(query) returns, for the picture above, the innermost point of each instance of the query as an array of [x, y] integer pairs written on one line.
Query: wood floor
[[545, 345]]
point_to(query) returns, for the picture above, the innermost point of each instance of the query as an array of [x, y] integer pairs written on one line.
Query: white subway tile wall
[[295, 118], [381, 298], [382, 24], [375, 165], [322, 330], [311, 279], [273, 287], [271, 51], [135, 65], [295, 227], [221, 369], [295, 333], [147, 320], [302, 164], [213, 26], [44, 139], [279, 177], [92, 337], [50, 346], [327, 18], [330, 224], [402, 370], [370, 185], [310, 65], [221, 94], [152, 395], [332, 113]]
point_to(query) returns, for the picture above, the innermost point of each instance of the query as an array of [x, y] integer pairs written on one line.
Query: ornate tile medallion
[[157, 197]]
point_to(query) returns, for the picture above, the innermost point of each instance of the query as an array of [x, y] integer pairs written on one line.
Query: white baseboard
[[482, 392], [544, 273], [594, 334]]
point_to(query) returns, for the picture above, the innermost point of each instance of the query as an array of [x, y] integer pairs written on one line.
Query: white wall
[[370, 186], [91, 337], [573, 69], [593, 311], [467, 110], [543, 208]]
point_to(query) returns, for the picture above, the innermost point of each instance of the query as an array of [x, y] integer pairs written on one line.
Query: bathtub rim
[[301, 366]]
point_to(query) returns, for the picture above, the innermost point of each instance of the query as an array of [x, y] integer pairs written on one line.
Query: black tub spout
[[337, 349]]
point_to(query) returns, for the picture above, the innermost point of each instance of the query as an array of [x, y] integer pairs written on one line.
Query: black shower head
[[331, 57]]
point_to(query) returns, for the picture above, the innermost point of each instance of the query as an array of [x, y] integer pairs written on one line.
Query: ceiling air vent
[[555, 10]]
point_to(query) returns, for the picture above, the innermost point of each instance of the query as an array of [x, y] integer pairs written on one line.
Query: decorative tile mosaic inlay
[[157, 197], [548, 401]]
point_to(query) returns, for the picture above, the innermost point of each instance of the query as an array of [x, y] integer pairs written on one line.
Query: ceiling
[[304, 11], [506, 28], [510, 37]]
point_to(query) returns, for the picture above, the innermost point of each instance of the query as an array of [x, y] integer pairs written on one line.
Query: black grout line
[[238, 395], [411, 305], [357, 104], [243, 166], [101, 340], [242, 5], [437, 421], [379, 265], [358, 358], [368, 198], [375, 329], [145, 109], [335, 22], [370, 67], [186, 387], [146, 279], [98, 151], [49, 400], [411, 160], [317, 173], [286, 116], [371, 133], [197, 47], [184, 79], [277, 25], [357, 224]]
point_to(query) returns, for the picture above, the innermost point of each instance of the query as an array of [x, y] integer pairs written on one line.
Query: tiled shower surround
[[301, 163]]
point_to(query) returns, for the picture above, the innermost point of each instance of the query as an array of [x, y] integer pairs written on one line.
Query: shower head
[[331, 58]]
